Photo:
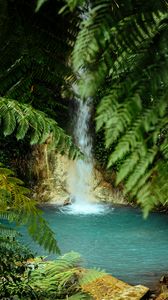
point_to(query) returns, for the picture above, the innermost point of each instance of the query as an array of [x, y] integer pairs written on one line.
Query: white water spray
[[81, 175]]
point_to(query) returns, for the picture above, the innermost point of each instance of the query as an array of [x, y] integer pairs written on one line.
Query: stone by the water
[[67, 202], [111, 288], [163, 296]]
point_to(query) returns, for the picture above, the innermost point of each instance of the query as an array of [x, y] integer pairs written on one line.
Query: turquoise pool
[[118, 241]]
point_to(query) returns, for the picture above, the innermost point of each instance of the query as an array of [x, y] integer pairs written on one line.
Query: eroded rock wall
[[54, 172]]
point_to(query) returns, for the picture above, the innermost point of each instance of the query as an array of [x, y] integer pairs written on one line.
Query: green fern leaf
[[9, 123], [22, 128], [5, 171], [36, 124], [140, 169], [105, 110], [7, 232], [141, 182], [146, 199], [115, 156], [80, 296], [127, 167], [41, 233], [22, 209], [39, 4], [91, 275]]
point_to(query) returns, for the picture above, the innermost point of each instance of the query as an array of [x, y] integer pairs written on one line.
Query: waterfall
[[80, 180]]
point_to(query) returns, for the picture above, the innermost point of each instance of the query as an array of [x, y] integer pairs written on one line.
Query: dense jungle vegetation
[[116, 52]]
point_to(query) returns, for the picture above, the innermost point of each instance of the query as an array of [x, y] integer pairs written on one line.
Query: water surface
[[118, 241]]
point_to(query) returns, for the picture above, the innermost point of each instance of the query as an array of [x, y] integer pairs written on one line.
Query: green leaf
[[39, 4], [127, 167]]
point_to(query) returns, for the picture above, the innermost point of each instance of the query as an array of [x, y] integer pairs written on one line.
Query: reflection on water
[[118, 241]]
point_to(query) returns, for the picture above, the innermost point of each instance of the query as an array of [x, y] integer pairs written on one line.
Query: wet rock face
[[102, 190], [52, 178], [54, 173]]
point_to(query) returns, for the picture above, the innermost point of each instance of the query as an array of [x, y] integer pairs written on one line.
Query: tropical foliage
[[16, 206], [23, 119], [62, 278], [121, 49], [59, 278], [12, 268], [33, 69], [118, 53], [31, 73]]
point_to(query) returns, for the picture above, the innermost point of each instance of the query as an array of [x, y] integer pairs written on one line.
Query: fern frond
[[90, 275], [9, 123], [80, 296], [7, 232], [146, 199], [11, 216], [34, 64], [120, 54], [121, 120], [41, 233], [5, 171], [16, 206], [140, 169], [142, 181], [38, 228], [105, 39], [164, 146], [64, 276], [35, 123], [127, 166], [59, 276], [68, 261], [134, 136], [39, 4], [106, 109]]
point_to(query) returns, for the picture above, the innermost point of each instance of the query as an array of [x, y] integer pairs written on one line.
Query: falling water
[[84, 167], [81, 174]]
